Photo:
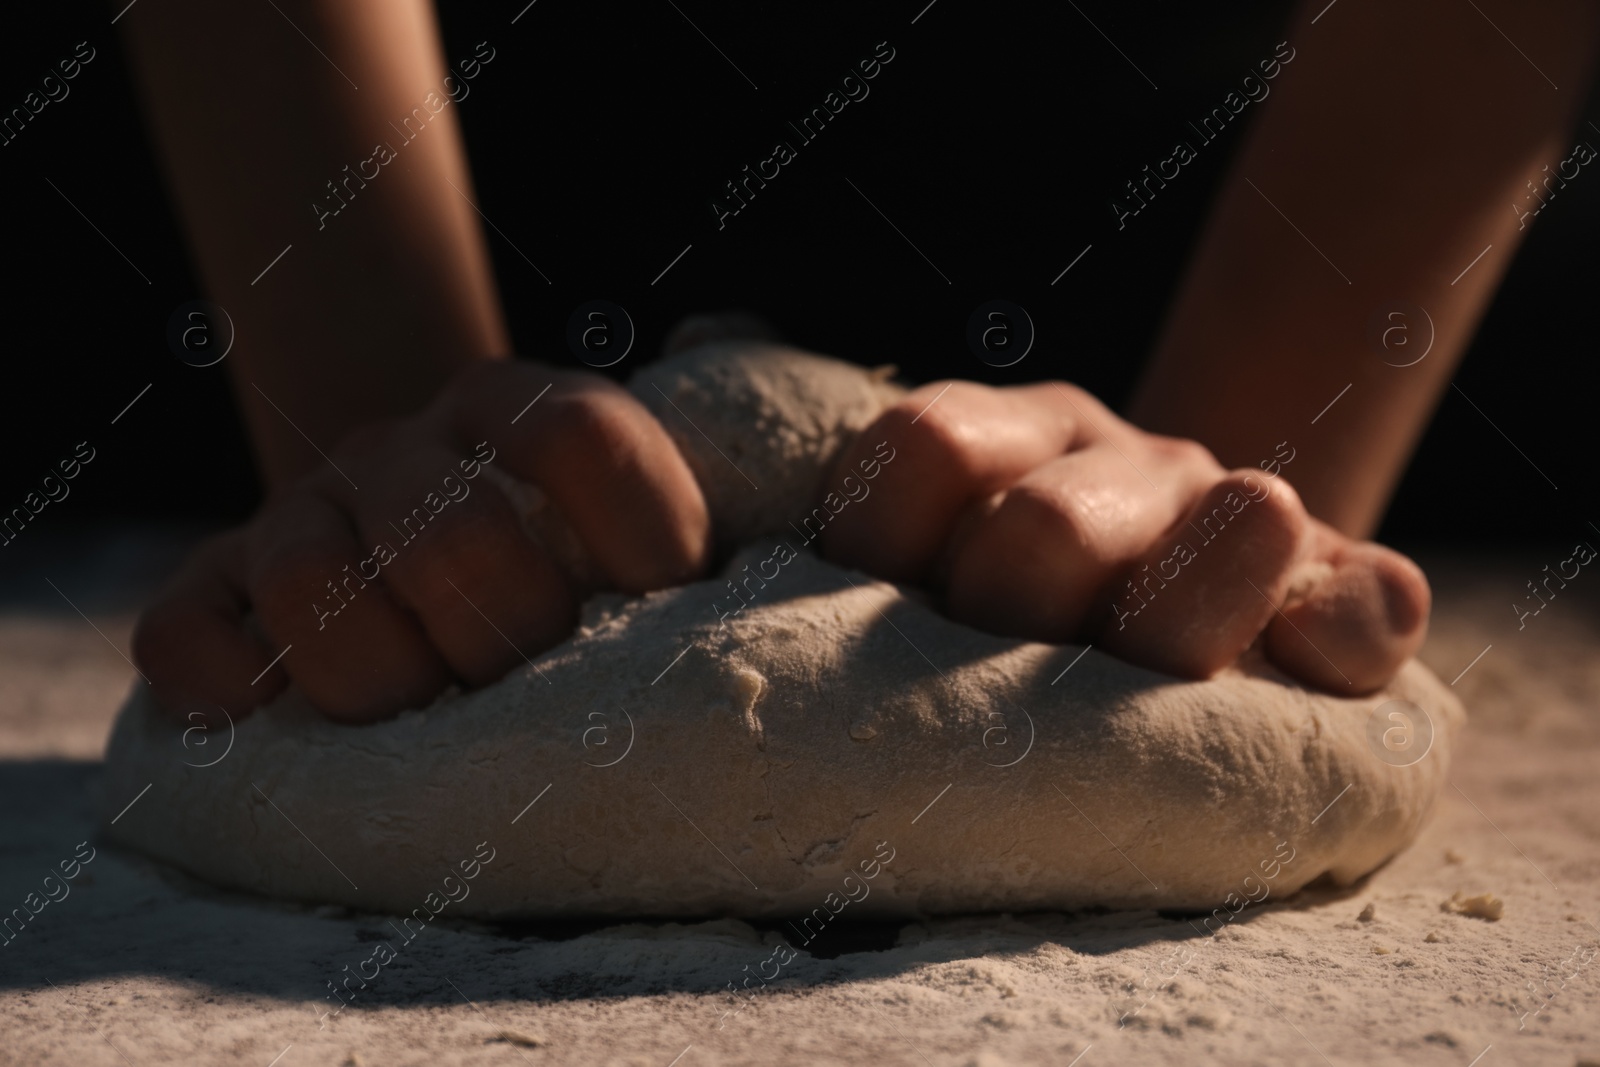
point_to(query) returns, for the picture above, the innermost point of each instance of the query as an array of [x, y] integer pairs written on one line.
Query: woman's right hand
[[397, 569]]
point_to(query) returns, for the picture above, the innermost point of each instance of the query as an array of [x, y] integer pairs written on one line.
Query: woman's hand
[[397, 568], [1041, 514]]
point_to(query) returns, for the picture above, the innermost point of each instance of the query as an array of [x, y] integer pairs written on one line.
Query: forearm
[[1396, 144], [387, 288]]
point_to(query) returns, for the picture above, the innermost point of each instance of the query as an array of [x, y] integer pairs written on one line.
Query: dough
[[834, 744], [759, 423]]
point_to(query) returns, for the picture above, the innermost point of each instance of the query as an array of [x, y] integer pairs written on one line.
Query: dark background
[[598, 136]]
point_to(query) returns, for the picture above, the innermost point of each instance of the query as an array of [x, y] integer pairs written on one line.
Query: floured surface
[[170, 972]]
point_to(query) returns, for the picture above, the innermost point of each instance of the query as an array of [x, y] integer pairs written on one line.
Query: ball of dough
[[792, 738]]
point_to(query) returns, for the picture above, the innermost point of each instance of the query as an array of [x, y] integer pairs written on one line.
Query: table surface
[[139, 964]]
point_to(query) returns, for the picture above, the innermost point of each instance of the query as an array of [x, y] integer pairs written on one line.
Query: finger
[[1195, 601], [1043, 555], [1363, 614], [950, 444], [601, 457], [352, 651], [192, 642], [452, 551]]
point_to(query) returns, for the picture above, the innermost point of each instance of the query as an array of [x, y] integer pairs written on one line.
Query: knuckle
[[1075, 393], [1185, 452], [590, 418], [1273, 507], [934, 429], [1280, 495], [1082, 404], [1042, 515]]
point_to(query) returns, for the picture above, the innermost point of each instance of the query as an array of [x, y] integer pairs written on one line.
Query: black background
[[599, 135]]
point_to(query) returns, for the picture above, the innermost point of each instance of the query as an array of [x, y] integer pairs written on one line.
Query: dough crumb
[[1367, 913], [1433, 937], [518, 1038], [1452, 856], [1379, 950], [1483, 906], [862, 731]]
